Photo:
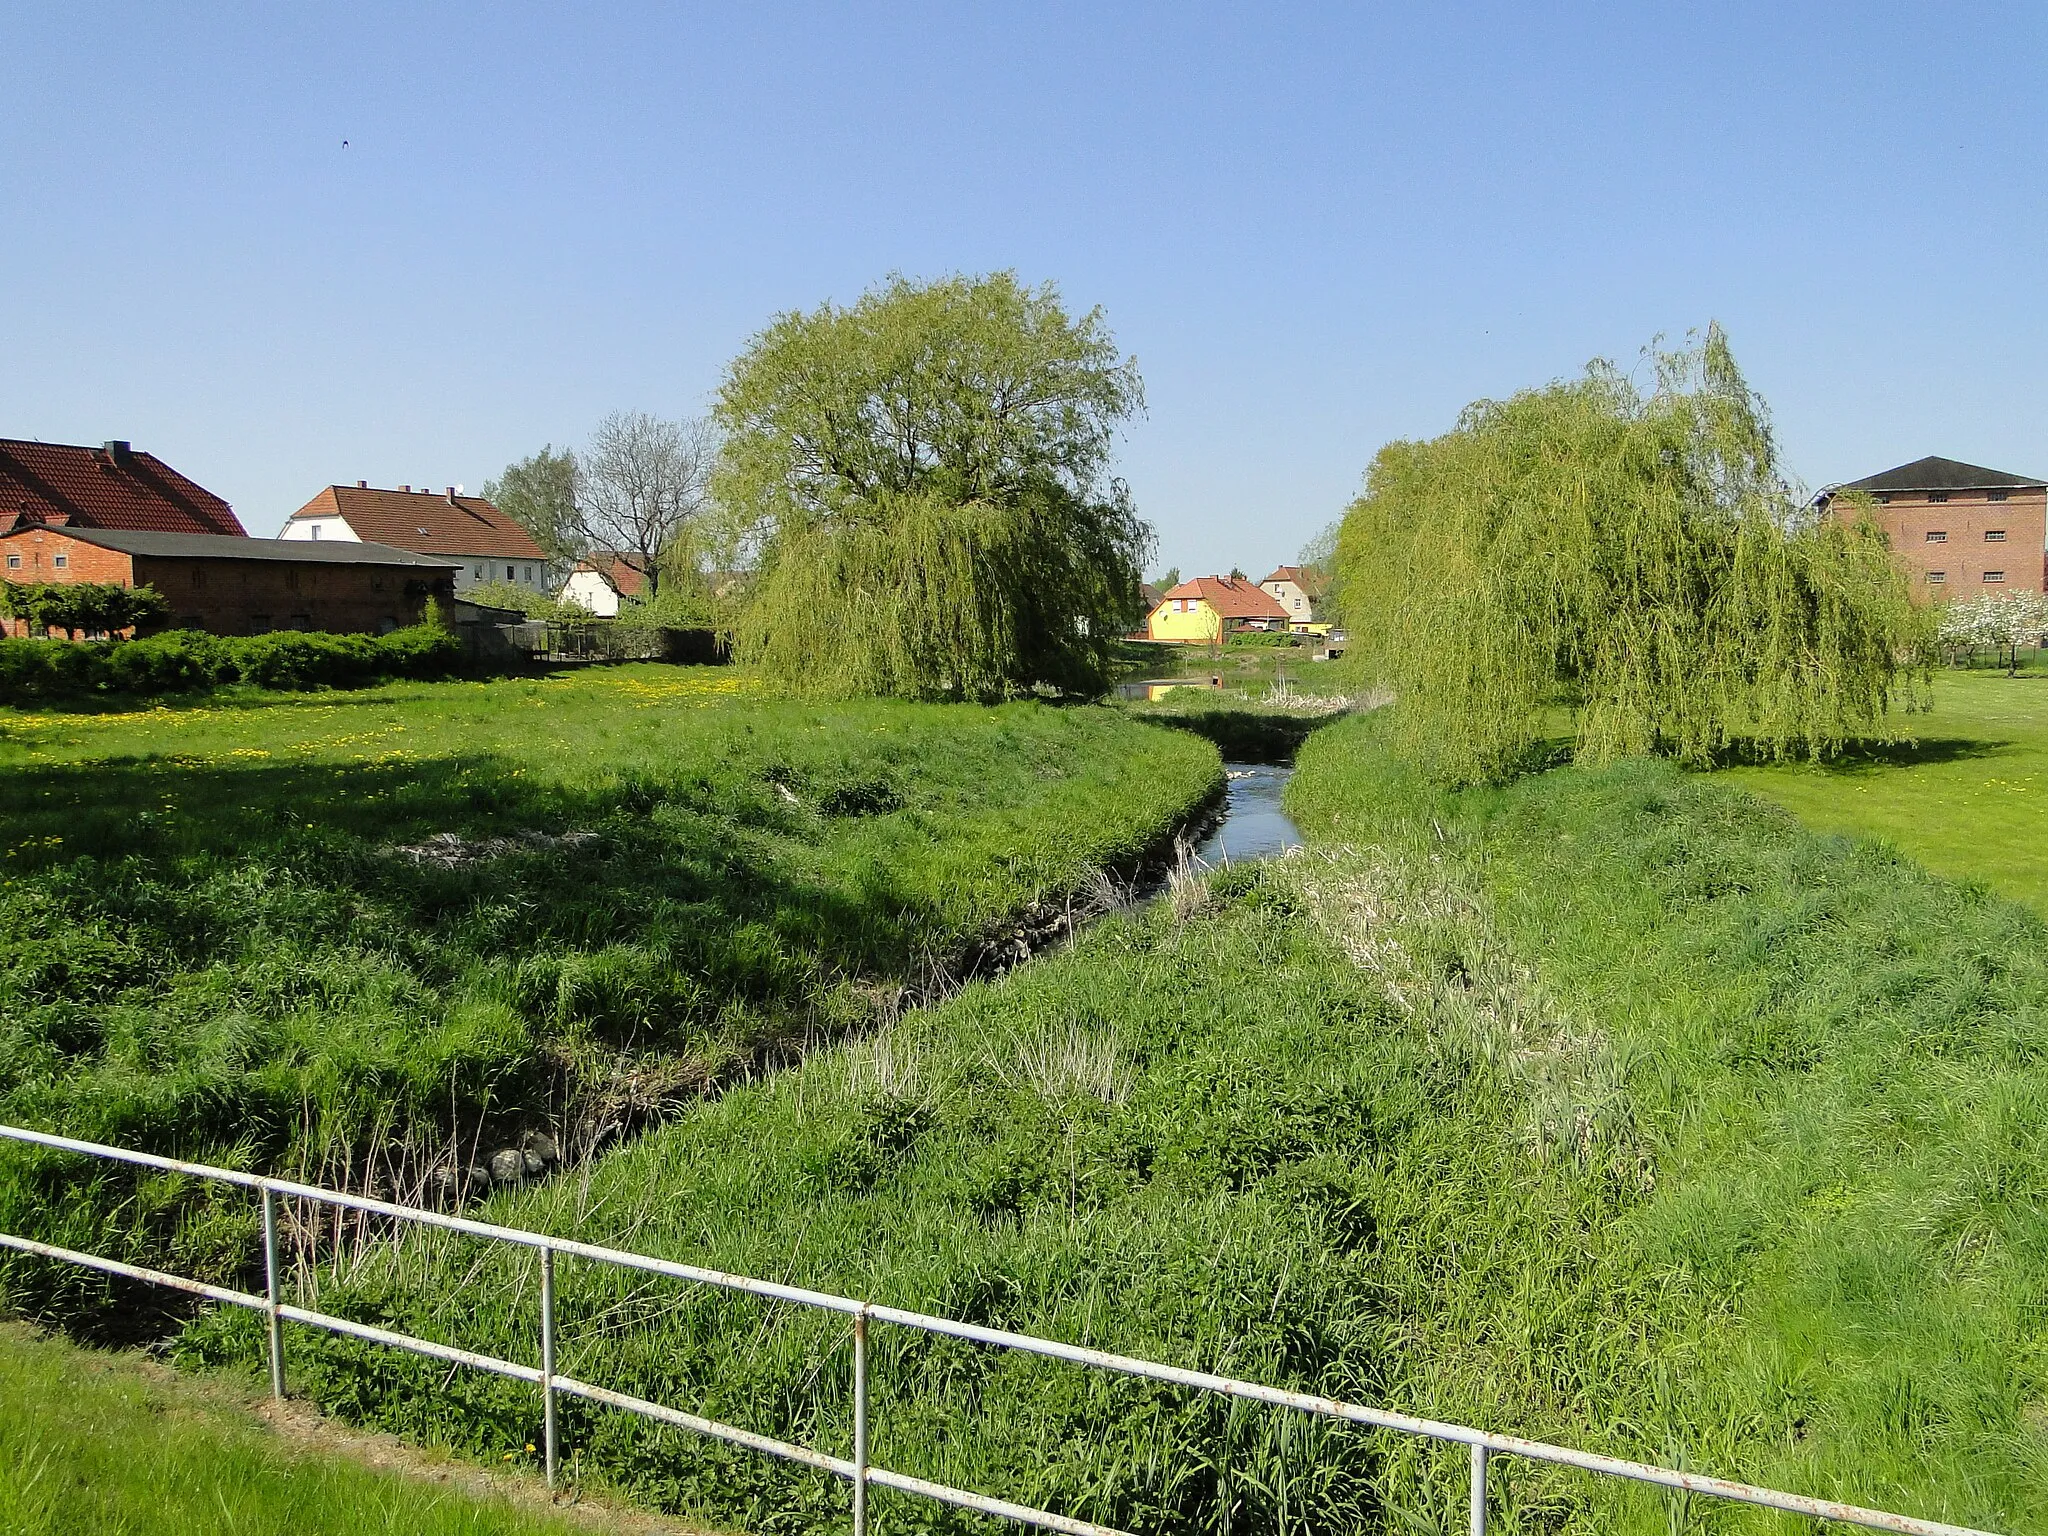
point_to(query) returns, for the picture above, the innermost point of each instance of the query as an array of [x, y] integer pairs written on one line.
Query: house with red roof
[[66, 485], [1299, 589], [482, 543], [602, 581], [1206, 609]]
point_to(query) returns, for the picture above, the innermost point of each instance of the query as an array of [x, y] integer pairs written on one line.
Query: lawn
[[1969, 799], [100, 1445], [372, 936]]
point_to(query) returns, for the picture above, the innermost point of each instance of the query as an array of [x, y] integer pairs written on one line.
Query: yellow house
[[1204, 610]]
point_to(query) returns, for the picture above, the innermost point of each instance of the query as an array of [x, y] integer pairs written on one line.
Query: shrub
[[185, 660]]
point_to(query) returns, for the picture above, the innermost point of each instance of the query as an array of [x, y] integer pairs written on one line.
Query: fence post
[[547, 1357], [860, 1421], [1478, 1490], [270, 1292]]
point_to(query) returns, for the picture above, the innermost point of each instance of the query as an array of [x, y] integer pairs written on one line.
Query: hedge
[[185, 660]]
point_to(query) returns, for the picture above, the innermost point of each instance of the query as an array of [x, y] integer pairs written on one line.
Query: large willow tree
[[1634, 563], [922, 481]]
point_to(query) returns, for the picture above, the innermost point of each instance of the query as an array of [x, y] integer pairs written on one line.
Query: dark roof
[[113, 486], [446, 524], [624, 574], [213, 546], [1932, 474]]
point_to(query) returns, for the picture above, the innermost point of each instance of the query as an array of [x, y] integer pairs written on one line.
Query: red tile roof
[[1306, 577], [428, 524], [622, 571], [1231, 598], [107, 487]]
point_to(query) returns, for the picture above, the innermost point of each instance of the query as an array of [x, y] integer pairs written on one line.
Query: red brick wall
[[38, 548], [229, 596], [1963, 554]]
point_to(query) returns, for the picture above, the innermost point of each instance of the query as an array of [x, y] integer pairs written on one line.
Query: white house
[[602, 581], [484, 545]]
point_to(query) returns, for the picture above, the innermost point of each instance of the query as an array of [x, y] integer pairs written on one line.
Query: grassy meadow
[[1968, 798], [94, 1445], [1610, 1107], [370, 936]]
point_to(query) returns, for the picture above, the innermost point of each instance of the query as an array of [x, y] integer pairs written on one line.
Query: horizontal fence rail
[[858, 1471]]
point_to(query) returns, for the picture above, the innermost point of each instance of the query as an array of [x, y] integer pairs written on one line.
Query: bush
[[186, 660], [1272, 639]]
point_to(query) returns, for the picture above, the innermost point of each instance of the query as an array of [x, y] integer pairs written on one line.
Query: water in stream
[[1253, 826]]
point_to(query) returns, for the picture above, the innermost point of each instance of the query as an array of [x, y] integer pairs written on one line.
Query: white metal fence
[[859, 1471]]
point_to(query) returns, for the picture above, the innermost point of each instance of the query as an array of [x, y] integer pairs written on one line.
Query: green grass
[[212, 941], [1610, 1108], [1968, 799], [93, 1445]]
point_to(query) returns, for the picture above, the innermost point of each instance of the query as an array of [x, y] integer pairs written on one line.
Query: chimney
[[118, 451], [405, 487], [451, 495], [362, 485]]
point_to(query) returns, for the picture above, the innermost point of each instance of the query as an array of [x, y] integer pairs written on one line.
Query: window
[[63, 561], [316, 531], [1937, 495], [1936, 578], [479, 573], [1937, 535], [1997, 495], [14, 562], [508, 574], [1994, 535], [1993, 576], [291, 578], [198, 575], [528, 570]]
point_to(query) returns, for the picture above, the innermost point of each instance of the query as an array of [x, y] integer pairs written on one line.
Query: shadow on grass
[[1865, 758]]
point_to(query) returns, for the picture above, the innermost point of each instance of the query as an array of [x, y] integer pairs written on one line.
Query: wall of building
[[34, 555], [1951, 546], [1186, 619], [481, 570], [592, 591], [252, 597], [1289, 595]]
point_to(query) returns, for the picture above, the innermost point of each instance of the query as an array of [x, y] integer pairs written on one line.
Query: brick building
[[1960, 529], [64, 485], [466, 532], [237, 585]]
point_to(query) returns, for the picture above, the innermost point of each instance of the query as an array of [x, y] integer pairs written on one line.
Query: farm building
[[238, 586], [481, 543], [1961, 529], [1207, 608], [64, 485]]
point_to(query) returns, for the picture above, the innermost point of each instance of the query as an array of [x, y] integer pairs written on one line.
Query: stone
[[542, 1146], [508, 1166], [533, 1164]]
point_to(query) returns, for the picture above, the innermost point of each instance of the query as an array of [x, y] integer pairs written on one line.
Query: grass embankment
[[1969, 798], [370, 938], [98, 1445], [1609, 1108]]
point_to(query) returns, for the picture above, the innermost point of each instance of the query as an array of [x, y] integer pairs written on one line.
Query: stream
[[1253, 826]]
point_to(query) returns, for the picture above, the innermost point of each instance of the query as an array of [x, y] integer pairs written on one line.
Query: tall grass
[[1609, 1108], [368, 941]]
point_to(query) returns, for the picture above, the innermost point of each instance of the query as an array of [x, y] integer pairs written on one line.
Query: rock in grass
[[508, 1166]]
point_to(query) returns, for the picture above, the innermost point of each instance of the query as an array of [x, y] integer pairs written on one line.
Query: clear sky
[[282, 246]]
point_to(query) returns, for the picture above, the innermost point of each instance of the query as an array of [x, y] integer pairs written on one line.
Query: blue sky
[[1317, 228]]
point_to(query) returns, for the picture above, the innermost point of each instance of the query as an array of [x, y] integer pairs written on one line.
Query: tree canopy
[[922, 479], [1634, 558], [82, 607]]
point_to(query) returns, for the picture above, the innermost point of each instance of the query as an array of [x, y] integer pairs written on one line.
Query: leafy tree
[[2000, 622], [1320, 552], [1167, 580], [922, 481], [1635, 558], [539, 494], [83, 607]]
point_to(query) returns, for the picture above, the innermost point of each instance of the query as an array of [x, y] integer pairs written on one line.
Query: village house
[[1206, 609], [65, 485], [479, 542], [1299, 590], [1961, 529], [232, 585], [601, 582]]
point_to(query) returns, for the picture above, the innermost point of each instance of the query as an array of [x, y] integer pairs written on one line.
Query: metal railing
[[859, 1470]]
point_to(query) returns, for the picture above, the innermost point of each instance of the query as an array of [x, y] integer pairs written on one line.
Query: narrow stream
[[1254, 826]]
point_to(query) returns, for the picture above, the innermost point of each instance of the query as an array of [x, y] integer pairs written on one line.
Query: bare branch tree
[[641, 486]]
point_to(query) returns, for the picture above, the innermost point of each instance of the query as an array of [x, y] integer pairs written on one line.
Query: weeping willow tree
[[921, 481], [1635, 560]]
